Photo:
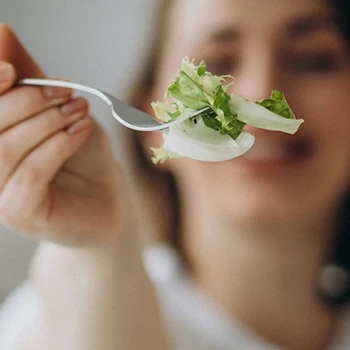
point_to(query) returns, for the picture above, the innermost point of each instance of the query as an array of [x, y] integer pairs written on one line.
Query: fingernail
[[6, 72], [79, 126], [53, 91], [73, 106]]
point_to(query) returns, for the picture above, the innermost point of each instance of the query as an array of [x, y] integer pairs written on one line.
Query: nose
[[258, 75]]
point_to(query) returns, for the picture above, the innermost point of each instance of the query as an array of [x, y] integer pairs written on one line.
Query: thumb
[[11, 50], [7, 76]]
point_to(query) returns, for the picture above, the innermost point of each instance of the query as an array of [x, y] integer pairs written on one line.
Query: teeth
[[267, 150]]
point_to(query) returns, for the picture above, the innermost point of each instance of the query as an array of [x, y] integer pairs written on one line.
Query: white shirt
[[192, 321]]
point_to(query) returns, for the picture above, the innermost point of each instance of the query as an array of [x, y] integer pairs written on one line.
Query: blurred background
[[97, 43]]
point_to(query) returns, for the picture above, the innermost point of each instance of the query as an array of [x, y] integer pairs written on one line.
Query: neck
[[264, 274]]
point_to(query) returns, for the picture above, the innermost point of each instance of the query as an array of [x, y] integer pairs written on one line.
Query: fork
[[126, 115]]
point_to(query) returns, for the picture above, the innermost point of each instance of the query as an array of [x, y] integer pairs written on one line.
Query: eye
[[313, 63], [221, 65]]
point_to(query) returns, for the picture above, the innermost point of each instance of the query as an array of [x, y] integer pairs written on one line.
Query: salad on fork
[[218, 133]]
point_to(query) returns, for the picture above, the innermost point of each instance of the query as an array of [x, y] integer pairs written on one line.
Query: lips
[[279, 149]]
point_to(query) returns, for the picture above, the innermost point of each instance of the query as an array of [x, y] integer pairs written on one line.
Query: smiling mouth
[[275, 150]]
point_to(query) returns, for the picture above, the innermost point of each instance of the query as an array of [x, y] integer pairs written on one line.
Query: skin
[[257, 238]]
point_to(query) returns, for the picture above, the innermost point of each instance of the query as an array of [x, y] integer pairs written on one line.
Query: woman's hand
[[58, 177], [59, 182]]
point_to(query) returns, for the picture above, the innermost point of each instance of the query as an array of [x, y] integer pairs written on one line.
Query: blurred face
[[269, 44]]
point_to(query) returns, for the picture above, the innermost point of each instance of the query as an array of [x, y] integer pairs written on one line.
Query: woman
[[258, 235]]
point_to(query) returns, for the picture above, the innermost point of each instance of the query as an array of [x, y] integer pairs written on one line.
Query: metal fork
[[128, 116]]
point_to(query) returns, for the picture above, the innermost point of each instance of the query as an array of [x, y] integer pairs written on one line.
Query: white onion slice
[[197, 141], [253, 114]]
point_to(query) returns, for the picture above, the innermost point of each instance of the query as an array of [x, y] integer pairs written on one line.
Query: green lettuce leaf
[[187, 91], [197, 88], [278, 104]]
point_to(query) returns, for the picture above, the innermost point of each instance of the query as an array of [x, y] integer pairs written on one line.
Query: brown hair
[[154, 181], [141, 86]]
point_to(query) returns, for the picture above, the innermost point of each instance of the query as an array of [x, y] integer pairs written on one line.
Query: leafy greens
[[217, 134]]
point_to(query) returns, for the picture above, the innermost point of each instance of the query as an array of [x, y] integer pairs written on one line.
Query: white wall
[[96, 42]]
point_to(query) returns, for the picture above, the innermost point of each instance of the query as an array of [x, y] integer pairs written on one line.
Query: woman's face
[[268, 44]]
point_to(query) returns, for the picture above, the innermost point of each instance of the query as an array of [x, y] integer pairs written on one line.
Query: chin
[[267, 203], [282, 178], [259, 208]]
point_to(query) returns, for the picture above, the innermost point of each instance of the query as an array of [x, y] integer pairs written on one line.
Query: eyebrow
[[310, 24], [297, 27], [223, 34]]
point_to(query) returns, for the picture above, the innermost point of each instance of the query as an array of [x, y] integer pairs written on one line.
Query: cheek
[[327, 123], [168, 70], [151, 139], [325, 106]]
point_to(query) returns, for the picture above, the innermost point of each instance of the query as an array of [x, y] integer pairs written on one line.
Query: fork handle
[[64, 84]]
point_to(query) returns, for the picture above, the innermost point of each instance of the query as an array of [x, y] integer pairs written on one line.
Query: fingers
[[25, 193], [7, 76], [20, 140], [23, 102], [39, 129], [11, 50]]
